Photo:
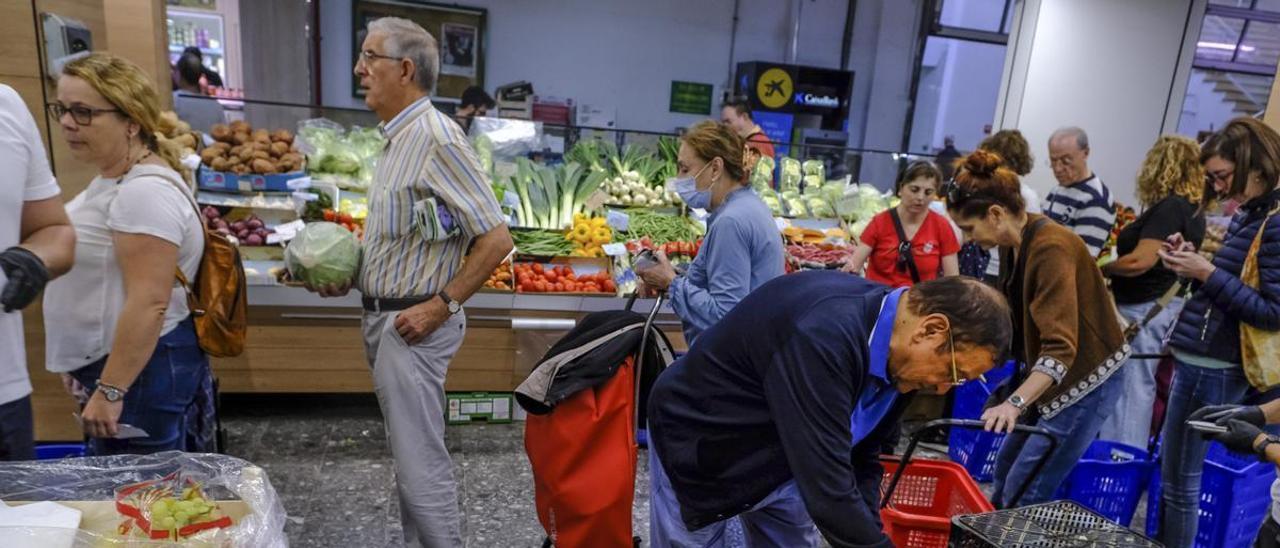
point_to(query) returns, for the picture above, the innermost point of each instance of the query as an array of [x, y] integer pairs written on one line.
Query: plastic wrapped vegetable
[[815, 168], [791, 175], [819, 208], [796, 207], [762, 174], [323, 254]]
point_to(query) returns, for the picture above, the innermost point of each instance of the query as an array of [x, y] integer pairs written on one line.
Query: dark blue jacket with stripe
[[1210, 321]]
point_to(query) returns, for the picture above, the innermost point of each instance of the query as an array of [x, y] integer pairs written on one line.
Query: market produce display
[[638, 178], [1124, 216], [540, 278], [240, 149], [672, 249], [181, 133], [323, 253], [589, 235], [501, 278], [347, 157], [550, 196], [250, 231], [807, 256], [542, 243], [660, 228]]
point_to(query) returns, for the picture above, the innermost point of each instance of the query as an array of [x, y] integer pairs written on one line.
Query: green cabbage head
[[323, 254]]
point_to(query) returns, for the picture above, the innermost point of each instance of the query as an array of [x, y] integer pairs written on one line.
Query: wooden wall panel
[[136, 31], [18, 53]]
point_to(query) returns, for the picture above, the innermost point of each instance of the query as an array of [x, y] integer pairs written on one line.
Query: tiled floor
[[328, 459]]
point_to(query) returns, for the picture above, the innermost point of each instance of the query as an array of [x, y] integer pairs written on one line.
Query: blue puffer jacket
[[1210, 321]]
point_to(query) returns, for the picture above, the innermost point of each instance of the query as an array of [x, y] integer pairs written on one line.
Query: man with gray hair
[[1081, 202], [428, 200]]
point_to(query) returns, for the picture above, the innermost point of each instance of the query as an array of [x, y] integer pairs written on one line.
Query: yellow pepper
[[598, 222], [578, 218], [601, 236], [581, 234]]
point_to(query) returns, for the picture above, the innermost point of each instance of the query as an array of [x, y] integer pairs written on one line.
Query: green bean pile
[[541, 242], [660, 228]]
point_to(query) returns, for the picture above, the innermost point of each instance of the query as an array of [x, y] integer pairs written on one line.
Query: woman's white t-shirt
[[82, 307]]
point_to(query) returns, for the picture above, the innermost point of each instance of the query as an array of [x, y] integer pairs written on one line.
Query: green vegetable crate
[[477, 407]]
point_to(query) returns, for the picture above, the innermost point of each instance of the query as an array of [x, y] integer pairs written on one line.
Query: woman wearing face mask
[[119, 322], [742, 249], [1065, 329], [908, 244]]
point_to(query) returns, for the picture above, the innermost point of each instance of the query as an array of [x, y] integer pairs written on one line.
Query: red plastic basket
[[929, 493]]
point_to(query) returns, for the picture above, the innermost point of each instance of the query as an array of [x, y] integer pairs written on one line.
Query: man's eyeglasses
[[956, 380], [369, 56], [81, 114]]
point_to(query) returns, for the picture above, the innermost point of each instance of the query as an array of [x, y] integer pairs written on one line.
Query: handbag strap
[[904, 246]]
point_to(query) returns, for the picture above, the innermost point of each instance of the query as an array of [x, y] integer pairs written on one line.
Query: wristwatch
[[454, 306], [1018, 402], [1261, 448], [111, 393]]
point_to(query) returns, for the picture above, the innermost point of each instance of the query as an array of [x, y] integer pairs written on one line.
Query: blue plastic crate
[[976, 450], [1235, 495], [1109, 479], [59, 451]]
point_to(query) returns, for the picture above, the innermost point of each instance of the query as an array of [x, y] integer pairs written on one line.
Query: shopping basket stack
[[1050, 525], [1109, 480], [1235, 495], [973, 448]]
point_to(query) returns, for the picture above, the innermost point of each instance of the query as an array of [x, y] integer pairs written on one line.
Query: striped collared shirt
[[1084, 207], [427, 155]]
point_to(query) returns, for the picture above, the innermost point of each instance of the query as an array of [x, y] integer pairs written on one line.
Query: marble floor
[[328, 459]]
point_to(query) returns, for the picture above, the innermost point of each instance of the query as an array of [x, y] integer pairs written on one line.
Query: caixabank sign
[[795, 89]]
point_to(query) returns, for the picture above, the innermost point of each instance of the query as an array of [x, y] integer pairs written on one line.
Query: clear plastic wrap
[[259, 517], [506, 139], [323, 253]]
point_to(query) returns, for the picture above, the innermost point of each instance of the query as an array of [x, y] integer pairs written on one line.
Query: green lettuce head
[[323, 254]]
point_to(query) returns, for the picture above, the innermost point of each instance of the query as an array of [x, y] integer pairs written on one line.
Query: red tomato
[[551, 276], [609, 286], [537, 267], [571, 277], [559, 288], [570, 286], [540, 286]]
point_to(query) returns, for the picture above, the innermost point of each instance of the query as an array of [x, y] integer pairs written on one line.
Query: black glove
[[1220, 414], [27, 276], [1239, 436]]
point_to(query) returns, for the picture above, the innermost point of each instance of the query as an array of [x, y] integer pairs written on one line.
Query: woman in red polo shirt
[[930, 244]]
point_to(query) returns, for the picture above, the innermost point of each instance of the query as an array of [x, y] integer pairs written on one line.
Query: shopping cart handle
[[969, 423]]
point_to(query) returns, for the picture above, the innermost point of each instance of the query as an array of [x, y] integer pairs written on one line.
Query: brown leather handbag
[[219, 297]]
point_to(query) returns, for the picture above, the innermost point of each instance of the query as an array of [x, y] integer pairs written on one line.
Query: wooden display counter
[[301, 343]]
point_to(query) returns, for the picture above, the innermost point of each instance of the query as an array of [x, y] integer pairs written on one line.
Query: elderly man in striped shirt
[[1081, 202], [429, 200]]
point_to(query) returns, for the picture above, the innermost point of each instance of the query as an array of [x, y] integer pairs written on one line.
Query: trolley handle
[[969, 423]]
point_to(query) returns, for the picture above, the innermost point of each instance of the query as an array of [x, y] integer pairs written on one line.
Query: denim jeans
[[1130, 421], [159, 398], [781, 519], [17, 430], [1075, 429], [1183, 450]]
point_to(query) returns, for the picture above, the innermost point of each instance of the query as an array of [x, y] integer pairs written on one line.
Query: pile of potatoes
[[240, 149]]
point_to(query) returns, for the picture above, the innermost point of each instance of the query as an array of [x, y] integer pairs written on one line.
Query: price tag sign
[[299, 183], [596, 200], [618, 220], [615, 250], [510, 199], [286, 232]]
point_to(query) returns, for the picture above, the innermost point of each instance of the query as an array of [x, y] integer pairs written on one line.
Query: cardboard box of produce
[[470, 407], [223, 181]]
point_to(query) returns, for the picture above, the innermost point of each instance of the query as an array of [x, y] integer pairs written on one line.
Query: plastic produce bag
[[226, 482], [322, 254], [762, 174], [507, 139], [791, 175]]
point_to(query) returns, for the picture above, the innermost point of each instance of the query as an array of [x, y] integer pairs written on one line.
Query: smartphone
[[644, 260], [1206, 426]]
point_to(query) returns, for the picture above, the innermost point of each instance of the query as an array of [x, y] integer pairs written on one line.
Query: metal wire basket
[[1059, 524]]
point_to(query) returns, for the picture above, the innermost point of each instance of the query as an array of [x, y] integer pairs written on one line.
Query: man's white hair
[[1082, 138], [408, 40]]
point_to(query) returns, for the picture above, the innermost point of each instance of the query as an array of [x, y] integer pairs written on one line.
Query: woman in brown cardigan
[[1066, 330]]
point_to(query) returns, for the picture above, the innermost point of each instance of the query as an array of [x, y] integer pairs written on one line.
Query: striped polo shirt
[[427, 156], [1084, 207]]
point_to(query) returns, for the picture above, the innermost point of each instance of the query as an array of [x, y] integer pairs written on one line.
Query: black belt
[[372, 304]]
